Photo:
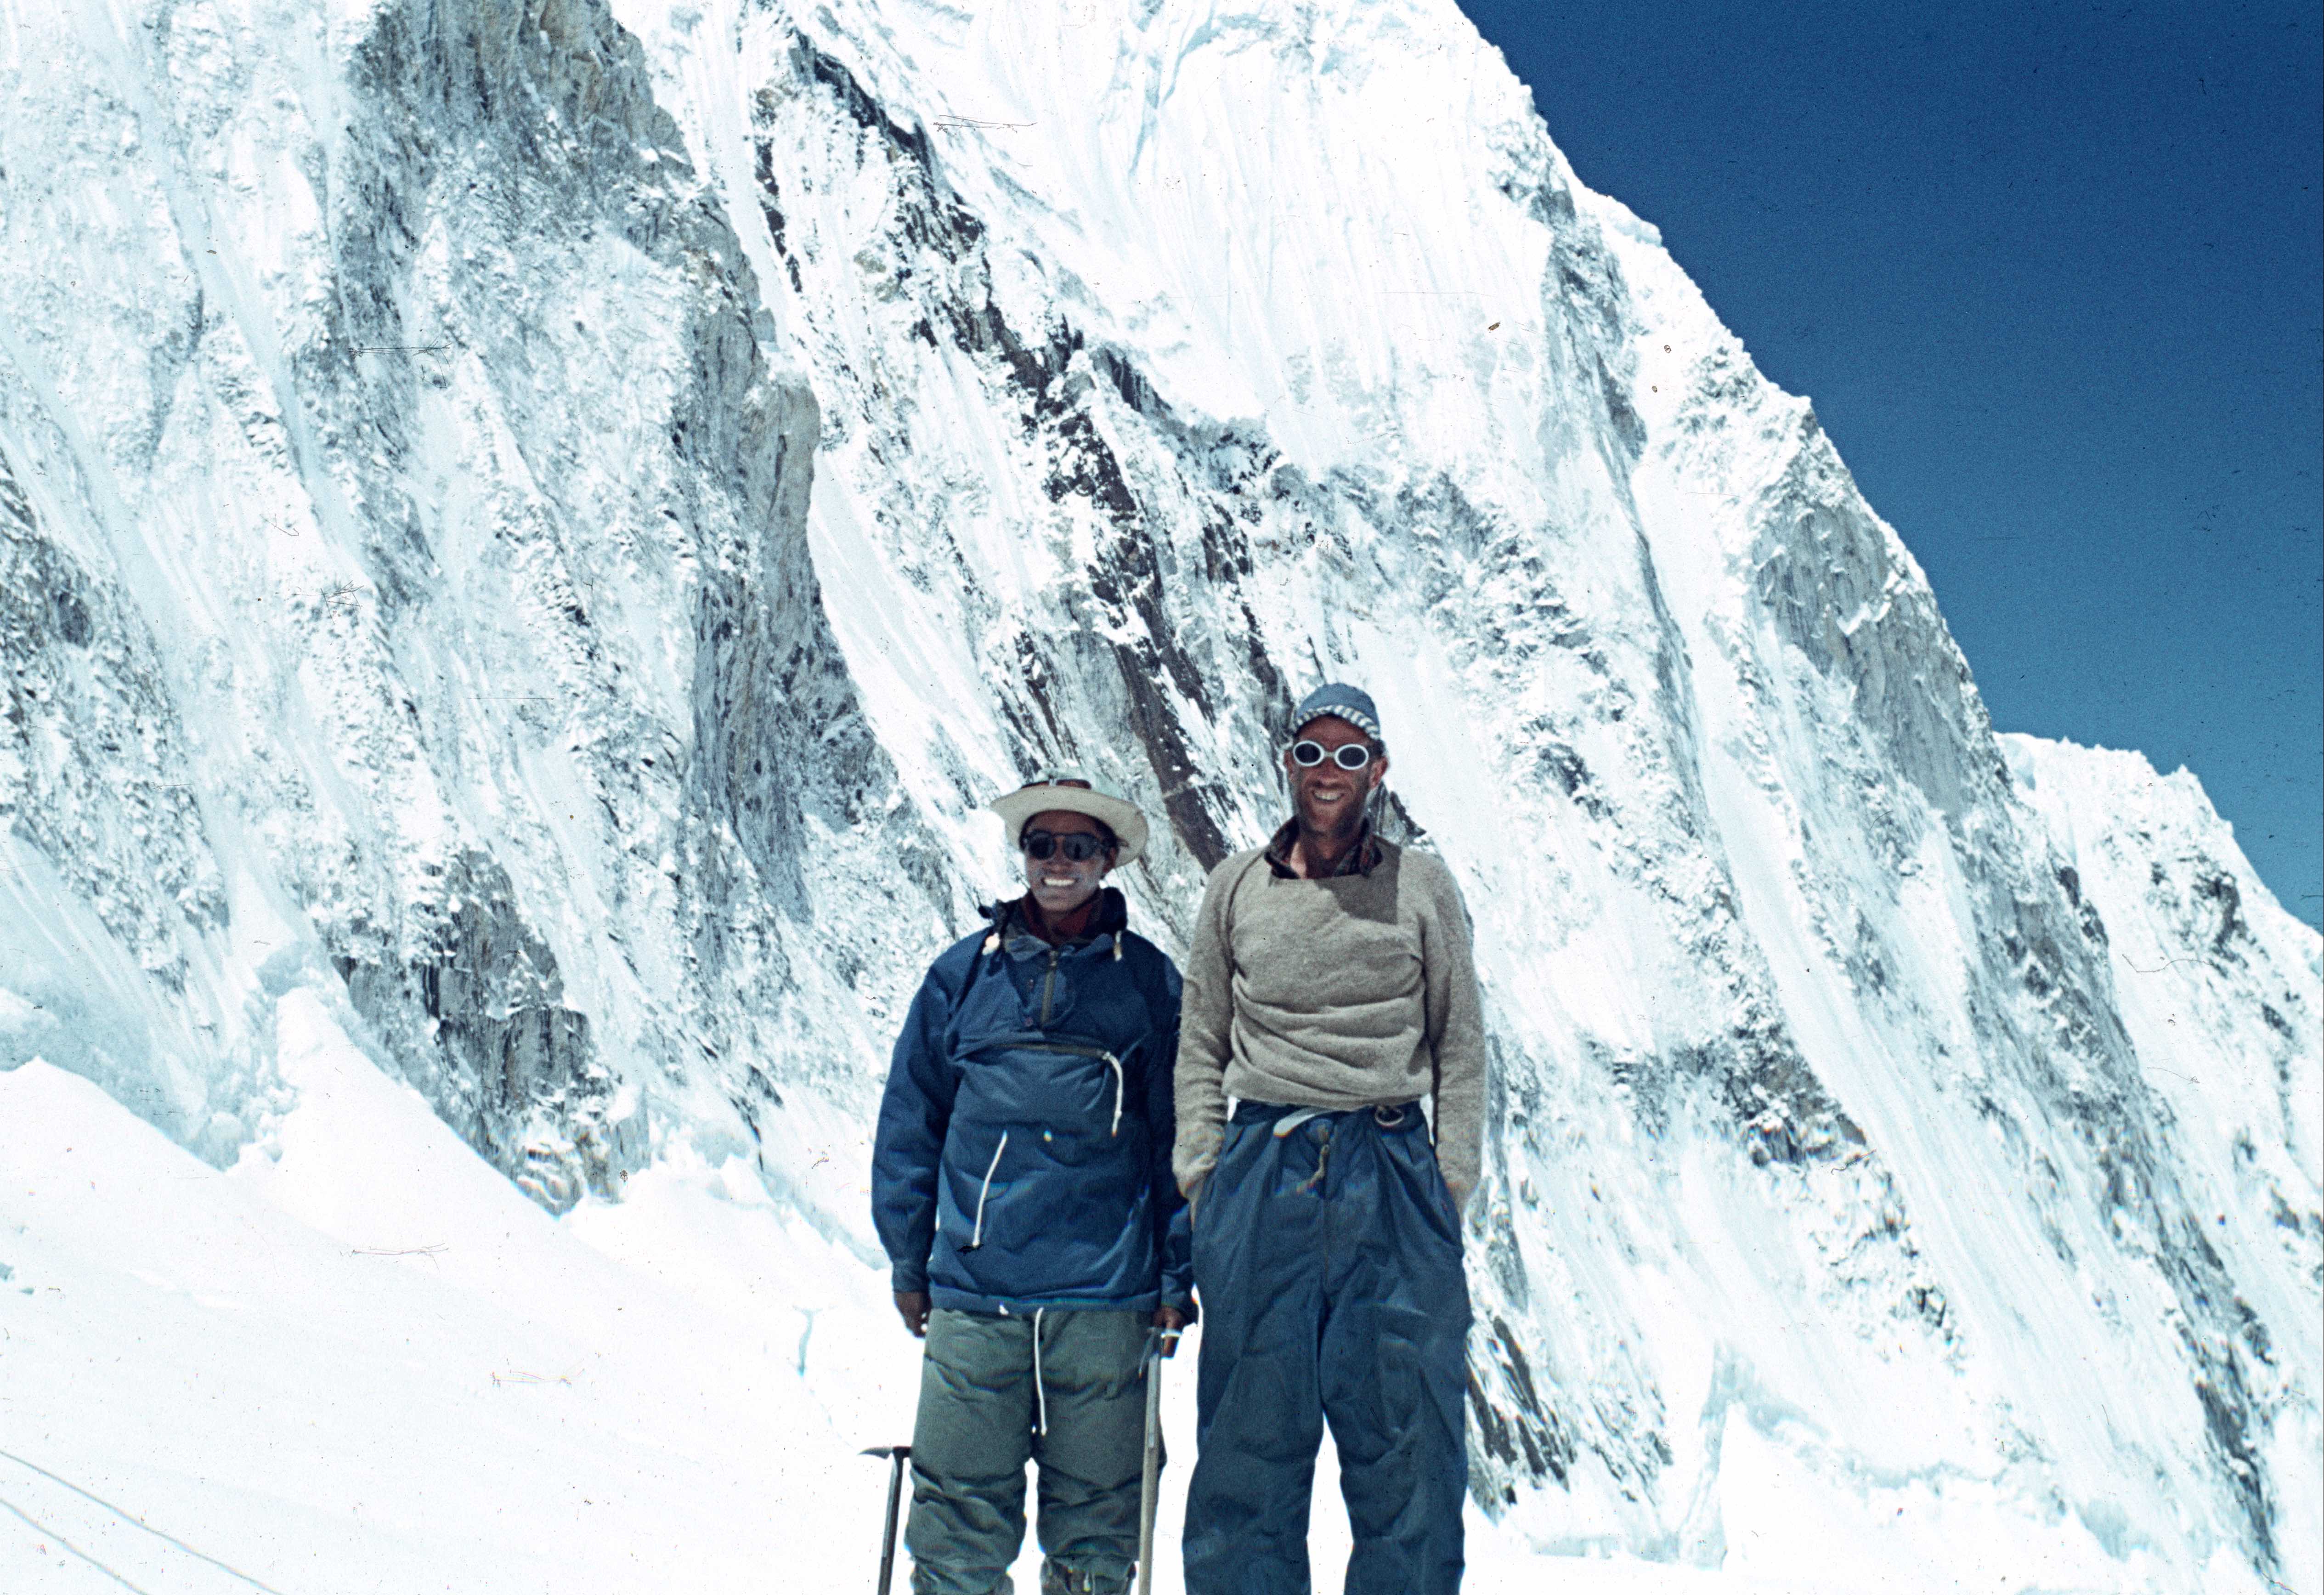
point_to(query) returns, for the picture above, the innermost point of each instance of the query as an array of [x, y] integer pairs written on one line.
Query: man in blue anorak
[[1330, 991], [1022, 1188]]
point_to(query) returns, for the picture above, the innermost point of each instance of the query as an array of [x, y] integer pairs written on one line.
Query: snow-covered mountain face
[[538, 526]]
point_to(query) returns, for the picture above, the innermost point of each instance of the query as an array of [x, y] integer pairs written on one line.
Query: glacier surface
[[528, 531]]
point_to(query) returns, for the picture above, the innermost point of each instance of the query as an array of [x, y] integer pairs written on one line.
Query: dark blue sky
[[2050, 275]]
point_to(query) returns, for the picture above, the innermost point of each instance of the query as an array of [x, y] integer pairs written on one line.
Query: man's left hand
[[1171, 1322]]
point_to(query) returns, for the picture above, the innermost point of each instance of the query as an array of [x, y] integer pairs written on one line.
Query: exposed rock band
[[1058, 1177]]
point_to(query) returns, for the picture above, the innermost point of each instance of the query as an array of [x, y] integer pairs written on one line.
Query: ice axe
[[898, 1455], [1148, 1492]]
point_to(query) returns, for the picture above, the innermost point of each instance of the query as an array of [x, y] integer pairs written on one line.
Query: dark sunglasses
[[1079, 846], [1308, 754]]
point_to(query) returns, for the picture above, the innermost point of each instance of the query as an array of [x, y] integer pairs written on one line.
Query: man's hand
[[1170, 1320], [912, 1307]]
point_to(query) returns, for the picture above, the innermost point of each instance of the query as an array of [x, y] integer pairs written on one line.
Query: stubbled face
[[1057, 882], [1328, 798]]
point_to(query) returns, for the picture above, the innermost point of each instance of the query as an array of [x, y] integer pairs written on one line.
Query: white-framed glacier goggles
[[1307, 754]]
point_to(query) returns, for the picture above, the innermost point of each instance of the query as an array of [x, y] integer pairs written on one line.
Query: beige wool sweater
[[1336, 993]]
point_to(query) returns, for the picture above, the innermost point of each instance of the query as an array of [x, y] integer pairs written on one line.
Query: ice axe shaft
[[1149, 1490], [898, 1455]]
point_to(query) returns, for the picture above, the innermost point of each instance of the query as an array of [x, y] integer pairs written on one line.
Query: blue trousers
[[1327, 1260]]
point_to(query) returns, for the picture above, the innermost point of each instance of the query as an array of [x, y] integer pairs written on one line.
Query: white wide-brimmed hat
[[1075, 795]]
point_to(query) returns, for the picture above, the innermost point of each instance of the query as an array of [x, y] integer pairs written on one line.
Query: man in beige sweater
[[1329, 991]]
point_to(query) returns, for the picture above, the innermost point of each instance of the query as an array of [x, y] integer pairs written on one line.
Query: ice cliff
[[537, 525]]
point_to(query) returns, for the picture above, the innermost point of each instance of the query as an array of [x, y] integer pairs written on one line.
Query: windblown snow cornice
[[542, 525]]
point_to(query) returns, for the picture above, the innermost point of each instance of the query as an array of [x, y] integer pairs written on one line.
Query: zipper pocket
[[976, 1237]]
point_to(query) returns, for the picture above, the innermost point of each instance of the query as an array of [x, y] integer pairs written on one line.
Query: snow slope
[[528, 532], [371, 1365]]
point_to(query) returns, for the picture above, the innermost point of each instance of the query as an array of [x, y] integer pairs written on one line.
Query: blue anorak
[[1022, 1160]]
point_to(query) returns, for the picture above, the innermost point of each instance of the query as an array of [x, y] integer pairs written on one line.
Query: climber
[[1021, 1186], [1329, 990]]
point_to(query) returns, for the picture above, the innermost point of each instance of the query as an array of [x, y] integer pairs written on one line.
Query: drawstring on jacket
[[1116, 1064], [977, 1238]]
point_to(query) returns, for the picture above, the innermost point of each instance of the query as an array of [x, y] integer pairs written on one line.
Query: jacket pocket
[[1072, 1087], [1118, 1077]]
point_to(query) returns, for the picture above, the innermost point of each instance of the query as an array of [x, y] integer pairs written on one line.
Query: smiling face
[[1057, 882], [1328, 799]]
